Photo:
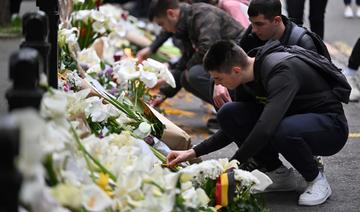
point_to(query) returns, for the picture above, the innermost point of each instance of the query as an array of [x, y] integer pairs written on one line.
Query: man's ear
[[236, 69], [277, 19], [170, 13]]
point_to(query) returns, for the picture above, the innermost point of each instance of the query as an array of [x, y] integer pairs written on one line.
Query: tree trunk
[[4, 12]]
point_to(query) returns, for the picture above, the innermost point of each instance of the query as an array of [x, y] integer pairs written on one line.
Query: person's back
[[205, 24]]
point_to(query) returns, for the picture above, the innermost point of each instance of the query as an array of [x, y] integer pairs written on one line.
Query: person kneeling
[[278, 109]]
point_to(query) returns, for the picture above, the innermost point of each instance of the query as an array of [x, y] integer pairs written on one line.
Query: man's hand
[[176, 157], [143, 54], [221, 95]]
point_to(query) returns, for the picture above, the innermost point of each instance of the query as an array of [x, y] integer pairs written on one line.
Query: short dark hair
[[223, 55], [158, 8], [268, 8]]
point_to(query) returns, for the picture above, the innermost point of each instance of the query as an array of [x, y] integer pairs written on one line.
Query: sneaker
[[358, 12], [348, 13], [317, 192], [355, 92], [212, 125], [283, 179]]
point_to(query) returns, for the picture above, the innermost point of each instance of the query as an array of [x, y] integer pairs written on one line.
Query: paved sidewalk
[[189, 113]]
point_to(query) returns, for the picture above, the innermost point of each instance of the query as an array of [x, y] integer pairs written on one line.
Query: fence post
[[24, 72], [35, 30], [50, 7], [10, 178]]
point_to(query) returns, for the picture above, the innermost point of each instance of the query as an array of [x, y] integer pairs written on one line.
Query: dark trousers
[[297, 138], [15, 6], [347, 2], [295, 10], [354, 60], [196, 80]]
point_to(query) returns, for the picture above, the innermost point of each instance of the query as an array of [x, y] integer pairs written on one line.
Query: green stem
[[82, 148]]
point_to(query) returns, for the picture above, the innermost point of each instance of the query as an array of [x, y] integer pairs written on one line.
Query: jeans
[[196, 80], [298, 137], [295, 10], [348, 2]]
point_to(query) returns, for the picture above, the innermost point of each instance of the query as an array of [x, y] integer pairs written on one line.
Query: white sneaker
[[348, 13], [317, 192], [355, 92], [283, 179], [358, 12]]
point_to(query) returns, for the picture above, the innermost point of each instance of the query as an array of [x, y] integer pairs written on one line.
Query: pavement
[[191, 114]]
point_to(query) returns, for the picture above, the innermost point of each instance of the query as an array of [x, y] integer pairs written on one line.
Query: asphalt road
[[342, 169]]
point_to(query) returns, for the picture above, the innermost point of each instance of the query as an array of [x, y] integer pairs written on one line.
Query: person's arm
[[281, 89], [160, 40], [215, 142], [146, 52]]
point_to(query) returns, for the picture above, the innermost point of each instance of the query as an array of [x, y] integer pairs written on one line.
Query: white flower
[[88, 57], [97, 16], [67, 195], [74, 79], [99, 27], [143, 130], [150, 65], [68, 36], [126, 69], [78, 1], [81, 15], [96, 109], [224, 162], [195, 198], [149, 78], [95, 199], [31, 153], [54, 104], [246, 178], [95, 69], [166, 75]]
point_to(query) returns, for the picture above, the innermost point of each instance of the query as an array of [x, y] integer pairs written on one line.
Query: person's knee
[[194, 74], [226, 113], [287, 130]]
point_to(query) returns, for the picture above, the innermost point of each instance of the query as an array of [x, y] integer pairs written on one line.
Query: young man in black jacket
[[284, 113], [267, 23]]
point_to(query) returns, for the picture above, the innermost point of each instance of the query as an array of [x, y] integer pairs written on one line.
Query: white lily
[[95, 199], [143, 130], [54, 104], [67, 195], [126, 69], [96, 109], [97, 16], [88, 57], [148, 78], [82, 15], [99, 27]]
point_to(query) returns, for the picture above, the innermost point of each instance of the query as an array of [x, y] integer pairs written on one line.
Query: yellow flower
[[103, 183]]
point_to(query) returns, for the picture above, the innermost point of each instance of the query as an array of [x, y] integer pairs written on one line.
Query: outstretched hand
[[176, 157]]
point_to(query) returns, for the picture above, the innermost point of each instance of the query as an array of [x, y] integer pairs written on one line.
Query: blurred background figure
[[348, 12], [15, 7], [351, 72], [137, 8], [295, 10]]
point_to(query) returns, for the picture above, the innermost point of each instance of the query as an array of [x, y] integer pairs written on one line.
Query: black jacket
[[287, 90], [251, 41]]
